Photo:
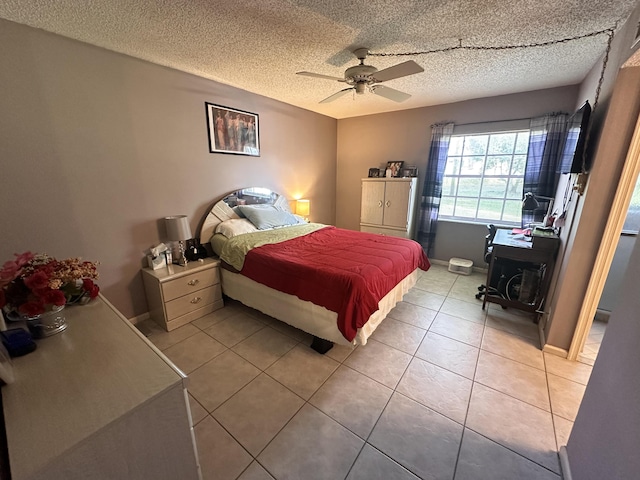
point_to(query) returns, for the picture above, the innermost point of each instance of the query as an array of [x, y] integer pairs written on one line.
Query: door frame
[[610, 238]]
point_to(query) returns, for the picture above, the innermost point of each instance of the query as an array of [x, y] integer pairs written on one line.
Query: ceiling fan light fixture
[[360, 88]]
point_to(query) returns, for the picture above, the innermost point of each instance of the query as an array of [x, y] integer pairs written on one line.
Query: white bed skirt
[[305, 315]]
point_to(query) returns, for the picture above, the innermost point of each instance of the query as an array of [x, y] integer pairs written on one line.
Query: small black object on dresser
[[18, 342]]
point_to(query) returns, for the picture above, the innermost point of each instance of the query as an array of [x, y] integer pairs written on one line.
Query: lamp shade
[[302, 207], [178, 228]]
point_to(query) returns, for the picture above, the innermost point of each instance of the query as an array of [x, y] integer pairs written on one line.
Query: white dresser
[[388, 206], [177, 295], [98, 401]]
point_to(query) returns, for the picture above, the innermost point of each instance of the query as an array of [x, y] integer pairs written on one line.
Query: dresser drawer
[[193, 301], [187, 284]]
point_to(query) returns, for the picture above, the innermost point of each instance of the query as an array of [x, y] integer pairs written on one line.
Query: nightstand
[[177, 295]]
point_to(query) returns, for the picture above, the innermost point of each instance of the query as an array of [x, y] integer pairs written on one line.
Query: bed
[[335, 284]]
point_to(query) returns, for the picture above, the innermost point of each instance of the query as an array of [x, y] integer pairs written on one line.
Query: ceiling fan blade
[[390, 93], [401, 70], [319, 75], [337, 95]]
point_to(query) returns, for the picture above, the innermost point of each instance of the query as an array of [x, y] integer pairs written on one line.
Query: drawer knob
[[193, 282], [196, 300]]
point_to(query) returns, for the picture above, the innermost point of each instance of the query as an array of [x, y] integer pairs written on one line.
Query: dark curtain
[[432, 191], [542, 171]]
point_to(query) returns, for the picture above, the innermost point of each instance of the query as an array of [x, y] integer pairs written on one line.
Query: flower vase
[[48, 323], [79, 299]]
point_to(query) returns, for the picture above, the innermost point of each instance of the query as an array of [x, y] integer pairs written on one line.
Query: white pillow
[[235, 226]]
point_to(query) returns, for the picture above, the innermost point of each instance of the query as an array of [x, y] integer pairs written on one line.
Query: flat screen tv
[[573, 150]]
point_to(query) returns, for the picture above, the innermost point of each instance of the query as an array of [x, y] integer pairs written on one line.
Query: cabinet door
[[396, 204], [372, 203]]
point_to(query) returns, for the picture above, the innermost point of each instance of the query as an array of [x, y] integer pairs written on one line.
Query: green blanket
[[236, 248]]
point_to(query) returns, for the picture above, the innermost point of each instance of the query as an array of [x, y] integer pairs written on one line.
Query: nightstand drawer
[[189, 283], [192, 301]]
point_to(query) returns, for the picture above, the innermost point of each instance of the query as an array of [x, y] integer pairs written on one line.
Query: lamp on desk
[[530, 203], [178, 230]]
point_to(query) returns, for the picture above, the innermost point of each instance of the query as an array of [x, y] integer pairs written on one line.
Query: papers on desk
[[518, 240]]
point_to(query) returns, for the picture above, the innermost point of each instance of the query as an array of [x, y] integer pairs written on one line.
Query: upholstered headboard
[[223, 209]]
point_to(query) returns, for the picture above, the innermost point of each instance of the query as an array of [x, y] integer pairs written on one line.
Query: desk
[[520, 270]]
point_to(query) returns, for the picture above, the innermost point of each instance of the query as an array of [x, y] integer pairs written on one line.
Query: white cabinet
[[98, 401], [388, 206]]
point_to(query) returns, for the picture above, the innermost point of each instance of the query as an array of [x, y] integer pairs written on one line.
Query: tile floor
[[443, 390], [592, 344]]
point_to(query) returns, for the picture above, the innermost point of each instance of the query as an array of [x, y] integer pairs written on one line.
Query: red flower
[[90, 287], [10, 270], [93, 293], [31, 309], [54, 297], [32, 284], [23, 258], [87, 284], [39, 279]]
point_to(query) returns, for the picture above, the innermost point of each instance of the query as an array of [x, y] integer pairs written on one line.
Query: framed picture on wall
[[232, 131]]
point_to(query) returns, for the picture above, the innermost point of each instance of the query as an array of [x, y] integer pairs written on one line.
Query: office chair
[[488, 248]]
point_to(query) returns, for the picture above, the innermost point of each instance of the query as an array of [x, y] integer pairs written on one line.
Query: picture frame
[[395, 167], [374, 172], [409, 171], [232, 131]]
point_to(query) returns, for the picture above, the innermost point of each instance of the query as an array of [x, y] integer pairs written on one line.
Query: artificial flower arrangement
[[35, 283]]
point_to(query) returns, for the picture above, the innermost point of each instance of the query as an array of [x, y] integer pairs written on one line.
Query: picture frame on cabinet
[[409, 171], [374, 172], [232, 131], [395, 167]]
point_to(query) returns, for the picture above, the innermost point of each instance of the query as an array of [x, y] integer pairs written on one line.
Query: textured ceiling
[[260, 45]]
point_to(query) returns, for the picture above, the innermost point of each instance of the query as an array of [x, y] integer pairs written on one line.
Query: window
[[484, 176], [632, 222]]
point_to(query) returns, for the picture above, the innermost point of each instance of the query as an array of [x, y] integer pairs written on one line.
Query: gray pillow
[[267, 216]]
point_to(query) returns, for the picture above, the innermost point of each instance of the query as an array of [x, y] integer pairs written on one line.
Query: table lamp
[[530, 202], [302, 208], [178, 230]]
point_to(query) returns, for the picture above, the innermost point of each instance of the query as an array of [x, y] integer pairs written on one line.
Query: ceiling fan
[[361, 76]]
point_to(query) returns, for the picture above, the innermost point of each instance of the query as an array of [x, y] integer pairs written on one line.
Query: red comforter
[[344, 271]]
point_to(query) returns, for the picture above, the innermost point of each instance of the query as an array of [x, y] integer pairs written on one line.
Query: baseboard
[[140, 318], [543, 339], [433, 261], [564, 463], [558, 352]]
